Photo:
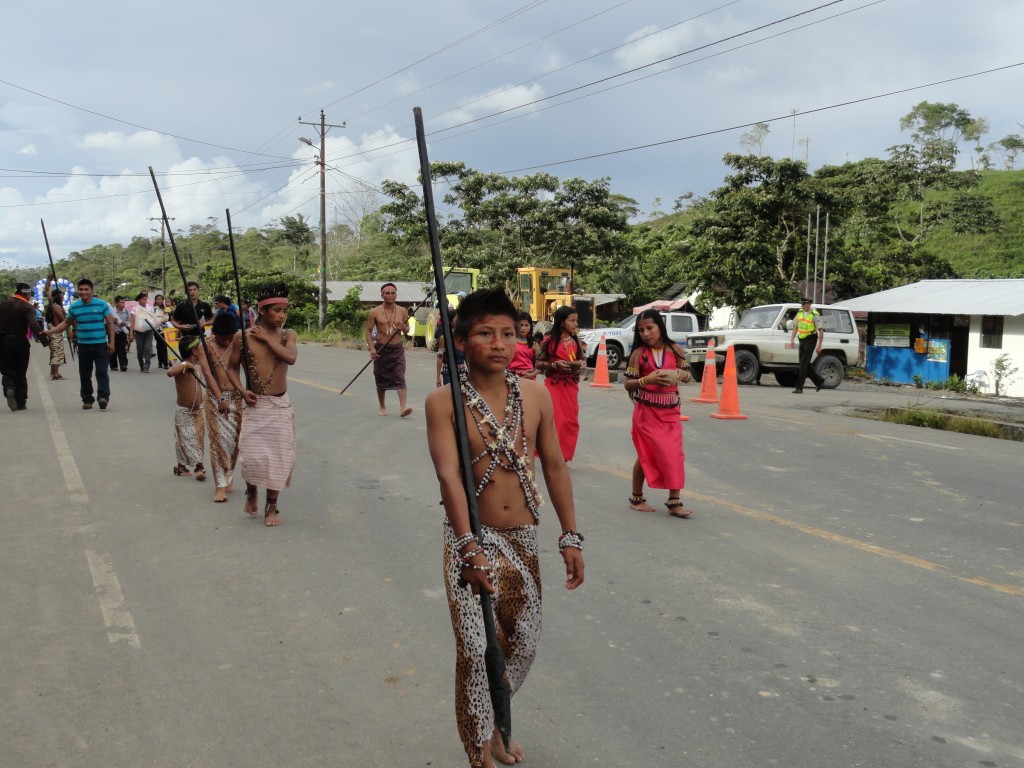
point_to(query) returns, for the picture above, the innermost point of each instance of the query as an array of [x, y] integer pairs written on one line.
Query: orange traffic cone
[[601, 367], [709, 378], [730, 406]]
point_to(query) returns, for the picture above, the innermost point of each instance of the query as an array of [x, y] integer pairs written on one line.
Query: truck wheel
[[786, 378], [614, 355], [831, 369], [748, 369]]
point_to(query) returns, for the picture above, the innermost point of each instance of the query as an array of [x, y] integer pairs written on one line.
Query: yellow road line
[[314, 384], [917, 562]]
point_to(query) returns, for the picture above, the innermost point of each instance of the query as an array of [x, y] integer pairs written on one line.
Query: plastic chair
[[978, 378]]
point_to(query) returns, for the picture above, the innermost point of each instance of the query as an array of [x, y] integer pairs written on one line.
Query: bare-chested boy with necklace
[[510, 420], [266, 443], [390, 320], [224, 405]]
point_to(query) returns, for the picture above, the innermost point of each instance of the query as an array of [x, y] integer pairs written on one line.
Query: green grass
[[947, 421], [998, 254]]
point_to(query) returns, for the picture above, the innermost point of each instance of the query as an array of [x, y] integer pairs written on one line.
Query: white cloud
[[28, 149], [654, 45], [495, 100], [117, 141], [327, 85]]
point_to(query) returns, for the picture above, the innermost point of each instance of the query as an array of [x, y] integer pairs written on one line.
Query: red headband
[[273, 300]]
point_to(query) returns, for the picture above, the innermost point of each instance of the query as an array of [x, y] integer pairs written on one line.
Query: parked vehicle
[[619, 338], [760, 341], [423, 324]]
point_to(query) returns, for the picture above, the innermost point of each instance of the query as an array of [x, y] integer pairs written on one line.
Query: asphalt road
[[848, 593]]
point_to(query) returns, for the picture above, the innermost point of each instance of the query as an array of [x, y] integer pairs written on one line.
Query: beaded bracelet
[[572, 539], [471, 554], [463, 540], [488, 569]]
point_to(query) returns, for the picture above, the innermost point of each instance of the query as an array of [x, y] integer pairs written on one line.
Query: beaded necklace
[[391, 320], [263, 383], [500, 440], [657, 360]]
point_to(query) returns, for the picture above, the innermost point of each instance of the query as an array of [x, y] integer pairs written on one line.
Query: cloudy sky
[[209, 94]]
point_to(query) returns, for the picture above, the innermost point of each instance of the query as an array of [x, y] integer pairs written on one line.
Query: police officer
[[807, 327]]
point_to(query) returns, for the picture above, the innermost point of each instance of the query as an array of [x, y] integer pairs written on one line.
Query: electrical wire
[[788, 116], [496, 58]]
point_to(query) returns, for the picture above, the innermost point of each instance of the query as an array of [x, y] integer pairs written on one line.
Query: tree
[[1008, 147], [745, 234], [496, 223], [754, 138]]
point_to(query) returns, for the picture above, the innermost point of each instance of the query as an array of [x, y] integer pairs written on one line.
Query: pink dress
[[564, 389], [657, 432], [522, 360]]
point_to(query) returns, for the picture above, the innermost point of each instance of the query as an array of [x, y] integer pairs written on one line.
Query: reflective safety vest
[[805, 323]]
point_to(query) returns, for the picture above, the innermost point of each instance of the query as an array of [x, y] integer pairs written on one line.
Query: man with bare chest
[[390, 321], [266, 443]]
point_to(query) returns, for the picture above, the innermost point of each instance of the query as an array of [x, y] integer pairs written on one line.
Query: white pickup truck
[[619, 338], [760, 340]]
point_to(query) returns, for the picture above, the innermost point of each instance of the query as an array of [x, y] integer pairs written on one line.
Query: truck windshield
[[553, 283], [458, 281], [760, 317], [627, 322]]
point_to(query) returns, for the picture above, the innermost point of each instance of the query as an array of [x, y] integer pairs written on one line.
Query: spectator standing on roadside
[[122, 323], [159, 311], [247, 315], [94, 328], [141, 331], [222, 306], [185, 314]]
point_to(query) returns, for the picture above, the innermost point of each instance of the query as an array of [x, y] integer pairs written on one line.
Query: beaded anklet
[[637, 499]]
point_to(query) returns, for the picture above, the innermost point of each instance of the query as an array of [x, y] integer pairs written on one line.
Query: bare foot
[[220, 494], [182, 471], [200, 473], [231, 487], [406, 412], [513, 755], [676, 508], [382, 411], [250, 507], [271, 515], [640, 505]]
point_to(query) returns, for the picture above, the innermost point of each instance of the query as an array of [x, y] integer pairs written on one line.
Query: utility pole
[[163, 254], [322, 128]]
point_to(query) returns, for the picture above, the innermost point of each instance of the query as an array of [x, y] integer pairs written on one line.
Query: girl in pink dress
[[562, 357], [656, 367], [523, 361]]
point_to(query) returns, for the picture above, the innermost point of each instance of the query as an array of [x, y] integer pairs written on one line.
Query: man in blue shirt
[[94, 327]]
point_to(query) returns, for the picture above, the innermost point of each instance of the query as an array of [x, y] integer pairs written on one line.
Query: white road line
[[118, 619], [886, 438]]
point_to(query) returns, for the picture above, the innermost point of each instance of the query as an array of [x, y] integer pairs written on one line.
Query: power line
[[803, 112], [133, 125], [637, 69], [486, 28], [499, 56]]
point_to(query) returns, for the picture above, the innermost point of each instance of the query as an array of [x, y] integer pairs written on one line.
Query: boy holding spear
[[510, 422]]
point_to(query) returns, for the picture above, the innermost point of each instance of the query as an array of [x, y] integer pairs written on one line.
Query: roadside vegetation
[[906, 215]]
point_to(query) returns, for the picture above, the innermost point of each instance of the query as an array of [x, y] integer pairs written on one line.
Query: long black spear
[[501, 696], [238, 295], [394, 333], [53, 271], [181, 269]]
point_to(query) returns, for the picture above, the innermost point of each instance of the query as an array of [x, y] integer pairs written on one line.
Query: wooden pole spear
[[501, 696], [238, 297], [53, 271], [181, 269]]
